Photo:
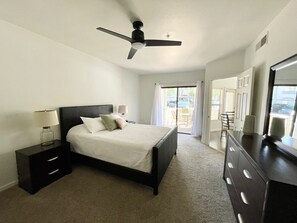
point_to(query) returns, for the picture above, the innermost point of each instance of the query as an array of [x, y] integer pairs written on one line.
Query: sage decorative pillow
[[109, 122]]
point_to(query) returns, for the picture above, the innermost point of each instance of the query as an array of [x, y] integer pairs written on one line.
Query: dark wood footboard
[[163, 152]]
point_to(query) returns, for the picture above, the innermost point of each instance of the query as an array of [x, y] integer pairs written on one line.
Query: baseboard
[[6, 186]]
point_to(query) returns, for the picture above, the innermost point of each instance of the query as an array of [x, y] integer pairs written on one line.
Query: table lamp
[[123, 109], [277, 128], [46, 119], [249, 125]]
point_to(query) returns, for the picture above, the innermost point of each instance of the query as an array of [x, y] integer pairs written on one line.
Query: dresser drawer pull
[[231, 149], [230, 165], [243, 198], [228, 181], [52, 159], [55, 171], [240, 220], [247, 174]]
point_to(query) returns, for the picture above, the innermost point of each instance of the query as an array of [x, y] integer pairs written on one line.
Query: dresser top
[[267, 158]]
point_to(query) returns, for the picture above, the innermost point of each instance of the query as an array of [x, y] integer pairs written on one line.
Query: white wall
[[38, 73], [228, 66], [229, 83], [281, 45], [147, 87]]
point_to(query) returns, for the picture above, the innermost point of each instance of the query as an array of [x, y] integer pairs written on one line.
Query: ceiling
[[208, 29]]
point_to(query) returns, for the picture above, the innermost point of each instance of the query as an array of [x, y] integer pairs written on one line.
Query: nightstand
[[39, 165]]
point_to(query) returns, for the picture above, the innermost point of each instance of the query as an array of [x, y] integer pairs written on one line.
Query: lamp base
[[46, 136], [47, 143]]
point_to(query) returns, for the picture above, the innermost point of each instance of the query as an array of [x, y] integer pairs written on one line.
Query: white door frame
[[207, 108]]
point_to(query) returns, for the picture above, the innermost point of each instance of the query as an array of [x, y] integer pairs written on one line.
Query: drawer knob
[[247, 174], [52, 159], [243, 198], [240, 220], [228, 181], [231, 149], [55, 171], [230, 165]]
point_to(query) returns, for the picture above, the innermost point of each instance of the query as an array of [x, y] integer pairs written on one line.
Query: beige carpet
[[192, 190]]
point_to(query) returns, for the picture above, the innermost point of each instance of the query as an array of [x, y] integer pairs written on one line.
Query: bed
[[161, 153]]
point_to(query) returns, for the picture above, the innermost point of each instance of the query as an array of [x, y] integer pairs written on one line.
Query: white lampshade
[[123, 109], [46, 118], [249, 124], [277, 128]]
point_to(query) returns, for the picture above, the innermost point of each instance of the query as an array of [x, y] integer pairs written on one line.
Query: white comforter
[[130, 147]]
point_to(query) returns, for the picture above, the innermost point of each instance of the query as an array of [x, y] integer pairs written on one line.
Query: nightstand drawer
[[48, 161], [53, 175], [50, 155]]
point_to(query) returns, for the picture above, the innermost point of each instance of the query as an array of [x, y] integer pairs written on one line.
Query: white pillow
[[93, 124]]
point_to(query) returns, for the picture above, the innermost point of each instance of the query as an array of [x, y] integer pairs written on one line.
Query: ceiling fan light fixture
[[137, 45], [137, 40]]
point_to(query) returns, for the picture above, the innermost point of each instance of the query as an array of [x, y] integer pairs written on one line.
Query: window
[[216, 100], [283, 100], [283, 106]]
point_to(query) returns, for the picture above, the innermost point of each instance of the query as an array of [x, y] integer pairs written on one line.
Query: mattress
[[130, 147]]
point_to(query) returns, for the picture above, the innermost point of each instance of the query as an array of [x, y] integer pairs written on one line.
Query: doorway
[[178, 105], [243, 102], [222, 101]]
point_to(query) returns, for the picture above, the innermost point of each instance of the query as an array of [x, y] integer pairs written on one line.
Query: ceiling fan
[[137, 41]]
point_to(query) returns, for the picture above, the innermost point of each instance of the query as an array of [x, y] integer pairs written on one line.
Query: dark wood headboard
[[70, 116]]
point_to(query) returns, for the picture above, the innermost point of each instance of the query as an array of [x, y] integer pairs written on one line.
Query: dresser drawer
[[231, 189], [235, 200], [233, 169], [251, 190], [232, 151]]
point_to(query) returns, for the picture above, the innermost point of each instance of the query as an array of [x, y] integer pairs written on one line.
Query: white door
[[244, 94], [229, 100]]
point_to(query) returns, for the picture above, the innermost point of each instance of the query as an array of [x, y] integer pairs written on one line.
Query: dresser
[[39, 165], [261, 180]]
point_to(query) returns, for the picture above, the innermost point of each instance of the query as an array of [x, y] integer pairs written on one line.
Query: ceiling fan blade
[[115, 34], [155, 42], [131, 53]]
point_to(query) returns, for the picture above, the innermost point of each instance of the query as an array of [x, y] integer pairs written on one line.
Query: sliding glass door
[[178, 107]]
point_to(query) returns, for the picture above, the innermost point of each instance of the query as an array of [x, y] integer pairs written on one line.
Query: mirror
[[281, 109]]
